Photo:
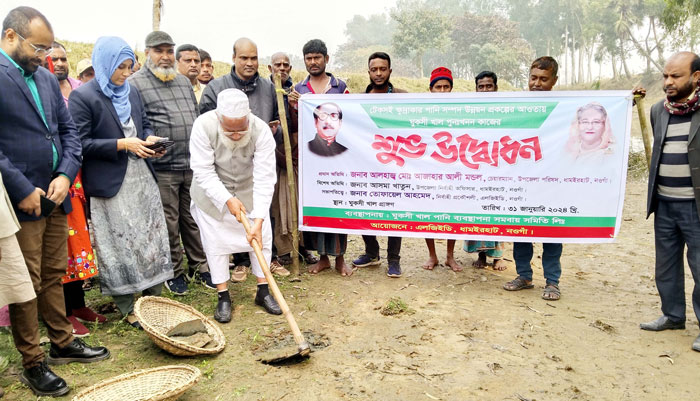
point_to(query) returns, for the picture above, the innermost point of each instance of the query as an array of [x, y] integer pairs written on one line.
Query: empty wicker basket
[[163, 383], [157, 315]]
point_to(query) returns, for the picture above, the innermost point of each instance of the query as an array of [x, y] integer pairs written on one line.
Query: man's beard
[[165, 74], [24, 62], [62, 76], [683, 92], [232, 145]]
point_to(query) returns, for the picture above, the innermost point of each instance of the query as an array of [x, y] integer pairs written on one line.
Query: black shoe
[[77, 351], [663, 323], [206, 280], [696, 344], [268, 302], [43, 381], [223, 309], [177, 285]]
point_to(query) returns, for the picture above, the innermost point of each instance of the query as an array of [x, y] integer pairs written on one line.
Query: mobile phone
[[47, 206], [161, 145]]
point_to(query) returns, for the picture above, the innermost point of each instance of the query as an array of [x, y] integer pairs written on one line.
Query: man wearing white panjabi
[[233, 161]]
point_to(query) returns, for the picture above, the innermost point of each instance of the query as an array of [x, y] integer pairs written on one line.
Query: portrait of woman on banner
[[590, 136]]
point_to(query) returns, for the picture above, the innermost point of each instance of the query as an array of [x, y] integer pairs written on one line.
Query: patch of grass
[[206, 368], [395, 306], [637, 165], [239, 391], [310, 306]]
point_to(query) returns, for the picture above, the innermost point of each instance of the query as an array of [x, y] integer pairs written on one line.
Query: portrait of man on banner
[[328, 118]]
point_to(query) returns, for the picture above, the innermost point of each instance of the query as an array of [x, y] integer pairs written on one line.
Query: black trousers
[[393, 248], [74, 296], [676, 225]]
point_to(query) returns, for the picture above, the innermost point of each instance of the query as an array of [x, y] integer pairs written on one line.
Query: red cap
[[440, 73]]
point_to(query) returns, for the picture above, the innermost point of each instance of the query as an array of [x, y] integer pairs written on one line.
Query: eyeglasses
[[38, 51], [231, 133], [322, 115], [594, 123]]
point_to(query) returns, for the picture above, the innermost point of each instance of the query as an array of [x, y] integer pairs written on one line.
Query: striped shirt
[[674, 183], [171, 108]]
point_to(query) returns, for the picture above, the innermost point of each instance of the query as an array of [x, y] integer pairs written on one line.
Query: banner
[[512, 166]]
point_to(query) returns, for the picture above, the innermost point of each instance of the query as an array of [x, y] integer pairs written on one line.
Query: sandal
[[284, 260], [518, 284], [551, 292], [310, 259]]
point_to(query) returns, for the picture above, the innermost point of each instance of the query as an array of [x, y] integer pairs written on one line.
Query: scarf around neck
[[683, 108]]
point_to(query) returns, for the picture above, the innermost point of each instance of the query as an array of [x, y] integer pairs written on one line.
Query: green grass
[[395, 306], [131, 349]]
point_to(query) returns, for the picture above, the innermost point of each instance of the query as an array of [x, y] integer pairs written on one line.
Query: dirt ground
[[462, 338]]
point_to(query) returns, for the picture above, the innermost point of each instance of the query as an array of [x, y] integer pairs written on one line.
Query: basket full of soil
[[177, 328]]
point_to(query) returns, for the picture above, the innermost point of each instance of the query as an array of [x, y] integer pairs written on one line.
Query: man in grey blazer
[[674, 190]]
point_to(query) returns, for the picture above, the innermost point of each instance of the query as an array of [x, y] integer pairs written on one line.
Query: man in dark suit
[[674, 190], [39, 157], [327, 118]]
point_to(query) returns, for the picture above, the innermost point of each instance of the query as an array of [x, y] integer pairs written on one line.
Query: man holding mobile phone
[[40, 155]]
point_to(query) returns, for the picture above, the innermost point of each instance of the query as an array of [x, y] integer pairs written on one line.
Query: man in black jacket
[[263, 104], [674, 190]]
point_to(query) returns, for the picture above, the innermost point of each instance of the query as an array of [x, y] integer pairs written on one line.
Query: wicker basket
[[157, 315], [163, 383]]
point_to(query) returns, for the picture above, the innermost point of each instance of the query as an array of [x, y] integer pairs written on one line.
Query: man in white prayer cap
[[233, 161]]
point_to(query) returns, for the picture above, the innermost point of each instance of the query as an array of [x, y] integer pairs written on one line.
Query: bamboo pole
[[303, 346], [290, 172], [644, 125]]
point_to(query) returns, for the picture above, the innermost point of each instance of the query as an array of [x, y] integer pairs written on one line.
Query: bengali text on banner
[[515, 166]]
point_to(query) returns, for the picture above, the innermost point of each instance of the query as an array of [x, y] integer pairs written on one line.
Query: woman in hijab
[[131, 239]]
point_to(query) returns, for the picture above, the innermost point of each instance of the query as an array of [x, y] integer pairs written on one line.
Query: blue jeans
[[551, 264], [676, 225]]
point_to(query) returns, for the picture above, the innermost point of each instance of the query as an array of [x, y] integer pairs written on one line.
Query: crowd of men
[[227, 164]]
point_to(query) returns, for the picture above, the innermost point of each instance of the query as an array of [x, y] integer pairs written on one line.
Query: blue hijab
[[108, 54]]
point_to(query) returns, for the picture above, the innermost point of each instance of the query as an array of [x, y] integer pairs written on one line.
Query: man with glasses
[[263, 104], [233, 159], [327, 118], [39, 159]]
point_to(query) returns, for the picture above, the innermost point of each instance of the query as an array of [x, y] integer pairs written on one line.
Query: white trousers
[[222, 238]]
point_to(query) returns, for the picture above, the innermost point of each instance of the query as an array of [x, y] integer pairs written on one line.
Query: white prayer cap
[[232, 103]]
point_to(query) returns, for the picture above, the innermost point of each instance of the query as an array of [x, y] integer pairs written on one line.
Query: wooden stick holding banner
[[290, 172], [644, 125]]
